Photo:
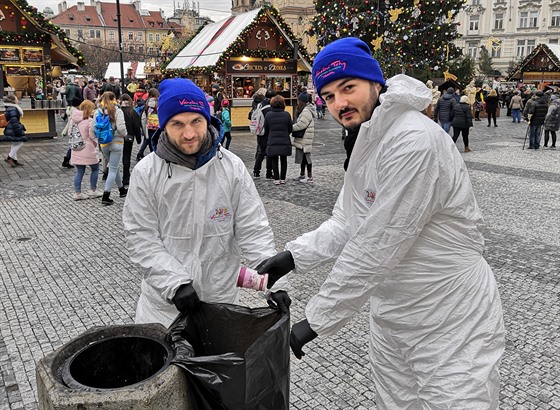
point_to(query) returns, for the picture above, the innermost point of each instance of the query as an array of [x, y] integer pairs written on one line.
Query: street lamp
[[120, 44]]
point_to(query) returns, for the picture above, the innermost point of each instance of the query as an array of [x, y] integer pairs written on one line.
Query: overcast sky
[[215, 9]]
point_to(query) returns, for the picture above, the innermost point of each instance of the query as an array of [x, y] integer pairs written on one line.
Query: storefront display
[[244, 54], [30, 48]]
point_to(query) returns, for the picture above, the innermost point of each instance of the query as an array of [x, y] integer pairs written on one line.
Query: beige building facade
[[509, 29]]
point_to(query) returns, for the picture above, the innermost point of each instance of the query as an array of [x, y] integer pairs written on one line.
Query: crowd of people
[[458, 109]]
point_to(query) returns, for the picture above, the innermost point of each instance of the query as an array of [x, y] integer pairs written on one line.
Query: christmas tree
[[411, 36]]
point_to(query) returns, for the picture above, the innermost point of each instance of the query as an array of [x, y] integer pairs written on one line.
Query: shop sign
[[32, 55], [23, 71], [11, 54], [262, 67]]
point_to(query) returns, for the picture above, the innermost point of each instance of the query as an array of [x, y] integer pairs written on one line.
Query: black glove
[[186, 299], [300, 335], [280, 300], [276, 267]]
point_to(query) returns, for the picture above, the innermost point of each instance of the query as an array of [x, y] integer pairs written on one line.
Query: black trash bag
[[235, 357]]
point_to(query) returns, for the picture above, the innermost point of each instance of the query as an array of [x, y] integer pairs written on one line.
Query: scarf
[[169, 152]]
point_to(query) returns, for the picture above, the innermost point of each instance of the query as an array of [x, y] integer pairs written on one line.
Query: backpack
[[103, 128], [152, 122], [3, 121], [75, 139], [257, 120]]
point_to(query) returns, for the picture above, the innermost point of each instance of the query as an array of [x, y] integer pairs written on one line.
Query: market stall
[[244, 53], [540, 69], [30, 48]]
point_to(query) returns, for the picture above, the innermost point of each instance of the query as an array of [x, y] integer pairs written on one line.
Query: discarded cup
[[251, 279]]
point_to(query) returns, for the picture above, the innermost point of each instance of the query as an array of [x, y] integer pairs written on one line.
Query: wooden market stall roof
[[43, 32], [545, 58], [217, 42]]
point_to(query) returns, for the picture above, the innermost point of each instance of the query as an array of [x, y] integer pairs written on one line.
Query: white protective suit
[[183, 225], [404, 233]]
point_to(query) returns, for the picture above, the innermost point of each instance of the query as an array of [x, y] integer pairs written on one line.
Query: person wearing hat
[[192, 213], [462, 121], [516, 105], [536, 115], [15, 130], [90, 92], [226, 122], [303, 132], [404, 236], [444, 108]]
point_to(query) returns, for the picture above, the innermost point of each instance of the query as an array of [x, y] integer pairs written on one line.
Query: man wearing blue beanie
[[193, 213], [404, 236]]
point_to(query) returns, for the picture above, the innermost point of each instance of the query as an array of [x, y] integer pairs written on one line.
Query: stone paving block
[[66, 287]]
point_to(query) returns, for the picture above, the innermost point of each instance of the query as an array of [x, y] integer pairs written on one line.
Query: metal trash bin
[[115, 367]]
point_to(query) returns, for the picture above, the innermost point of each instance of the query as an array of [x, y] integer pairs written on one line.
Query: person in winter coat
[[192, 214], [260, 154], [478, 103], [277, 129], [15, 131], [516, 105], [112, 151], [150, 123], [552, 121], [82, 117], [133, 132], [404, 235], [226, 121], [462, 121], [319, 106], [492, 101], [304, 145], [536, 116], [444, 107]]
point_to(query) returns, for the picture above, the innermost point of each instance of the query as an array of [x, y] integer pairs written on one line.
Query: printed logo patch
[[192, 104], [369, 196], [220, 215], [331, 69]]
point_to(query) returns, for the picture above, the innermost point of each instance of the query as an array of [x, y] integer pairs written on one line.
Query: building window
[[476, 2], [498, 21], [496, 52], [157, 37], [531, 46], [131, 49], [80, 34], [472, 47], [139, 35], [111, 35], [141, 49], [528, 19], [150, 36], [520, 48], [552, 41], [473, 24], [151, 51], [555, 19], [67, 31], [95, 34], [130, 35]]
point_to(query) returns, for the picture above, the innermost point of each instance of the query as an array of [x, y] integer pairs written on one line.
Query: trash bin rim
[[72, 383]]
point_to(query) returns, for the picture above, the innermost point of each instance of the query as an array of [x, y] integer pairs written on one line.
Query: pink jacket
[[87, 156]]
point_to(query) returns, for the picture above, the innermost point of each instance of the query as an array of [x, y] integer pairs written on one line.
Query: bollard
[[125, 367]]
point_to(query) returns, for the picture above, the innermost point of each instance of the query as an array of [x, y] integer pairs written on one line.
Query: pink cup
[[250, 279]]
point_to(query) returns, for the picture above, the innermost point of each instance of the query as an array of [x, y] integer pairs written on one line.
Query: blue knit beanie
[[347, 57], [179, 95]]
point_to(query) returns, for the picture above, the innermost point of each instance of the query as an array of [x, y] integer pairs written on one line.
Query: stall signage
[[32, 55], [261, 67], [11, 54], [23, 71]]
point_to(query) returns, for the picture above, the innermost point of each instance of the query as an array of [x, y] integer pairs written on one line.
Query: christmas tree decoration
[[416, 36]]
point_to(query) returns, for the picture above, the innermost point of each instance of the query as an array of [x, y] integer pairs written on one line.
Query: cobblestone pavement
[[64, 266]]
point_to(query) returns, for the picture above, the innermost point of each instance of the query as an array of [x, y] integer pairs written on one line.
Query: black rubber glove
[[300, 335], [280, 300], [276, 267], [186, 299]]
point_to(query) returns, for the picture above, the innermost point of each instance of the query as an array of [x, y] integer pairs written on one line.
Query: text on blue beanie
[[178, 95]]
